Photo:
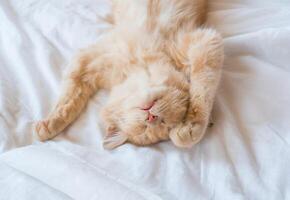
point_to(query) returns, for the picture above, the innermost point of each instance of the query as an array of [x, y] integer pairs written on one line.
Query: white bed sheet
[[245, 155]]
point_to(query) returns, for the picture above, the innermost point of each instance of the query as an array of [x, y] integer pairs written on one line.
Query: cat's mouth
[[150, 118], [148, 106]]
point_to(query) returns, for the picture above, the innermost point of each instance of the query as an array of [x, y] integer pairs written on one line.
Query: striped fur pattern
[[157, 54]]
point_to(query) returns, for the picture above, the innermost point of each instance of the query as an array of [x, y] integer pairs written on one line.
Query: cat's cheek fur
[[111, 141]]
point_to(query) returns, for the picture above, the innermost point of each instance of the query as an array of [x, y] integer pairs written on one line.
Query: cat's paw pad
[[186, 135], [42, 131]]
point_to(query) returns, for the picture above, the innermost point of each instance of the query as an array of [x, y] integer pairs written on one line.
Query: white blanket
[[245, 155]]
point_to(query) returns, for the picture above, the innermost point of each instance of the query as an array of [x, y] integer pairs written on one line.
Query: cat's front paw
[[43, 130], [187, 134]]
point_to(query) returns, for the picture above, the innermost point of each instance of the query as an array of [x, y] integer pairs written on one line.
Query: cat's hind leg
[[200, 54]]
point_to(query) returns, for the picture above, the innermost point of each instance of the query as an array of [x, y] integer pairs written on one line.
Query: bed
[[245, 155]]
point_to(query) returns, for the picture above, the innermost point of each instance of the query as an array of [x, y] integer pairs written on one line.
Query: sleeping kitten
[[161, 69]]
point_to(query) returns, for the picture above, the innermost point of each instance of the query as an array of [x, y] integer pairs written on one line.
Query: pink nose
[[151, 118]]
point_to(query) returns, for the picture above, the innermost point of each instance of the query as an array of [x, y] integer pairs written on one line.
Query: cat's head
[[144, 108]]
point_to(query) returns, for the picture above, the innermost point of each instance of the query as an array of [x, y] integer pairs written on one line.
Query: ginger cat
[[162, 71]]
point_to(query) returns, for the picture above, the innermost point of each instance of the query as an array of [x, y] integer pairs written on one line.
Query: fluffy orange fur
[[155, 55]]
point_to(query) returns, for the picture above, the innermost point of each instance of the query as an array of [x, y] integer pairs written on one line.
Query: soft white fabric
[[245, 155]]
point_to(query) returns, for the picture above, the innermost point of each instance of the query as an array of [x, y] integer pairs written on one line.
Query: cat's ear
[[114, 140]]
